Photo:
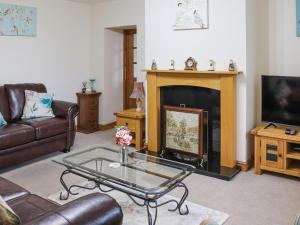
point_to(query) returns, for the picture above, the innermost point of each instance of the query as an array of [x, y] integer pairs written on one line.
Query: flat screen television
[[281, 100]]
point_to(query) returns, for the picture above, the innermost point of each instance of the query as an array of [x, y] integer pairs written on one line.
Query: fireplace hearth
[[213, 169]]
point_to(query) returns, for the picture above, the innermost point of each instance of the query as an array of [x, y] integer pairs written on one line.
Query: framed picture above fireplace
[[183, 130]]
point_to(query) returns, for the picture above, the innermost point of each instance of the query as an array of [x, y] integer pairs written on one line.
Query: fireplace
[[212, 91]]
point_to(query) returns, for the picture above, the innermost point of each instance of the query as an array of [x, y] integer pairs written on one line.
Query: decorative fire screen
[[183, 130]]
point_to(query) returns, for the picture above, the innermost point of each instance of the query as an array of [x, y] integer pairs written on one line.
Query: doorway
[[129, 67]]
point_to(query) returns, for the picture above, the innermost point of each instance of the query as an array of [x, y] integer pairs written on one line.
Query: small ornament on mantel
[[191, 64], [154, 65], [211, 65], [232, 65], [172, 64]]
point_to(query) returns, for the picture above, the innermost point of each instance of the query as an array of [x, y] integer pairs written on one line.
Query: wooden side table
[[135, 121], [88, 119]]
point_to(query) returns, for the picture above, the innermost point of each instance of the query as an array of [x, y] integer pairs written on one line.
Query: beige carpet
[[249, 199]]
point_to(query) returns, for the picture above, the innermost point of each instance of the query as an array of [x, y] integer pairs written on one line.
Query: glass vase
[[93, 85], [124, 154]]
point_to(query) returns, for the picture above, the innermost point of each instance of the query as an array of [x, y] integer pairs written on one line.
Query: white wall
[[251, 67], [59, 56], [284, 45], [224, 40], [278, 45], [272, 46], [113, 74], [257, 20], [114, 14]]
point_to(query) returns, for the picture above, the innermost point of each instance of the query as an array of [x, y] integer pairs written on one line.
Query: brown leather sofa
[[96, 209], [23, 140]]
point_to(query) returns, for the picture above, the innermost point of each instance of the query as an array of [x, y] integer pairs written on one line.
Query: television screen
[[281, 100]]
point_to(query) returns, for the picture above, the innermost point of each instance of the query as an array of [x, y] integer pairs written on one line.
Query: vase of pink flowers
[[123, 138]]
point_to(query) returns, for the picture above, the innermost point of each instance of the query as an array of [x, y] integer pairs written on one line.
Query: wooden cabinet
[[135, 122], [88, 119], [272, 153], [275, 151]]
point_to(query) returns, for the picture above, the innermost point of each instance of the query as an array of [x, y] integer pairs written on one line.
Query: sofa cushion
[[47, 127], [7, 215], [14, 134], [31, 207], [16, 97], [297, 221], [208, 222], [4, 108], [2, 120], [37, 105], [10, 191]]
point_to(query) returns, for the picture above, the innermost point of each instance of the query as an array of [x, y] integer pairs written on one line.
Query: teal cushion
[[208, 222], [2, 120], [297, 222]]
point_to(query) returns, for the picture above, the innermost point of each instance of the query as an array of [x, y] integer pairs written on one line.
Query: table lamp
[[138, 93]]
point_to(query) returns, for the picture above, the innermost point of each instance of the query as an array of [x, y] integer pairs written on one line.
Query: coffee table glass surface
[[143, 173]]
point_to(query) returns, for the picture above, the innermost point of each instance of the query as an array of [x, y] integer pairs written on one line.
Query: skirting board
[[107, 126], [245, 166]]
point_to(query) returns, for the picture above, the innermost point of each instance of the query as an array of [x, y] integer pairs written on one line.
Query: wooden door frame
[[128, 58]]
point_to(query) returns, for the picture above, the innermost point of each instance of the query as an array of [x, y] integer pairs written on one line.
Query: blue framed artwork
[[298, 17], [17, 20]]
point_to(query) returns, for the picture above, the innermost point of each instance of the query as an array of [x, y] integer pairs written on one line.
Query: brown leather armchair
[[23, 140], [96, 209]]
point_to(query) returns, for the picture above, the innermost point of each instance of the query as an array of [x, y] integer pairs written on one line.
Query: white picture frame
[[191, 14]]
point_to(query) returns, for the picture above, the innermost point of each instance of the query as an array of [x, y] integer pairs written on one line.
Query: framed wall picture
[[191, 14], [298, 17], [17, 20], [183, 130]]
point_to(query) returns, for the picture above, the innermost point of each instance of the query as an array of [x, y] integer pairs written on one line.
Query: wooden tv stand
[[275, 151]]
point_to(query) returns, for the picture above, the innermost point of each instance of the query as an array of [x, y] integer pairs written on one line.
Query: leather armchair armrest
[[96, 209], [65, 109], [10, 191]]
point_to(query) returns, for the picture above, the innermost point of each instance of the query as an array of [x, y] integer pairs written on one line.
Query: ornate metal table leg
[[180, 203], [149, 206], [182, 200], [104, 190], [154, 205], [151, 221], [68, 189]]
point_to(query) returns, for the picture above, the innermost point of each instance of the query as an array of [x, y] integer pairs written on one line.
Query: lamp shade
[[138, 90]]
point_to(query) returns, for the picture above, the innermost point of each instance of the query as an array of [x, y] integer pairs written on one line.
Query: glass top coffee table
[[143, 178]]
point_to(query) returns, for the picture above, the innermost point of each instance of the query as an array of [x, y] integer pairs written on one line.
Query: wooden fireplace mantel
[[224, 81], [221, 72]]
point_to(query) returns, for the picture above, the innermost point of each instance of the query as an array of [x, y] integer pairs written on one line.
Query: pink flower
[[123, 136]]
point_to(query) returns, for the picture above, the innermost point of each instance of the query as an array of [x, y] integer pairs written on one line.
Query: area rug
[[135, 215]]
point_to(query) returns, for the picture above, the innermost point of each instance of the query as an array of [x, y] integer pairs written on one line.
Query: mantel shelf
[[194, 72]]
